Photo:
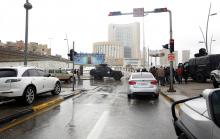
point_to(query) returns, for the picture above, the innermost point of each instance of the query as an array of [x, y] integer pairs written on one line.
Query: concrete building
[[39, 48], [164, 59], [185, 55], [129, 36], [113, 51]]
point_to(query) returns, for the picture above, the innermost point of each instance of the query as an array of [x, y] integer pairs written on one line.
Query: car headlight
[[12, 80]]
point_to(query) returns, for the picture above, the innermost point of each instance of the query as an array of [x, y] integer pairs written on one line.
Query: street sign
[[171, 57], [138, 12]]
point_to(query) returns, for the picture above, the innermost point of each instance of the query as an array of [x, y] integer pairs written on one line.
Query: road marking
[[99, 126]]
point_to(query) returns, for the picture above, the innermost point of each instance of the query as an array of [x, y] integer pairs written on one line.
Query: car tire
[[57, 89], [200, 78], [29, 95], [182, 136], [117, 77], [156, 96], [215, 83], [129, 96]]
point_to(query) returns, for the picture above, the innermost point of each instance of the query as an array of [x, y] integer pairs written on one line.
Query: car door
[[37, 80]]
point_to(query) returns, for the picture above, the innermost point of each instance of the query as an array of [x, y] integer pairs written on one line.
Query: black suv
[[103, 70], [200, 67]]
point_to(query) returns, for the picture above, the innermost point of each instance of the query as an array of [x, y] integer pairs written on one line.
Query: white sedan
[[143, 83], [26, 82]]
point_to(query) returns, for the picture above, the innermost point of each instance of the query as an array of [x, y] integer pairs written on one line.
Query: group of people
[[162, 74]]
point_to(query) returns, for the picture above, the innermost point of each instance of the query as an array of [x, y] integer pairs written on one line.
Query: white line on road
[[99, 126]]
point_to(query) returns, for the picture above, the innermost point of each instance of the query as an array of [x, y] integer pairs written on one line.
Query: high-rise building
[[114, 52], [185, 55], [129, 36], [164, 59]]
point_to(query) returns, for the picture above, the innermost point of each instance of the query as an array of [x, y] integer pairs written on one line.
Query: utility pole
[[73, 65], [27, 6]]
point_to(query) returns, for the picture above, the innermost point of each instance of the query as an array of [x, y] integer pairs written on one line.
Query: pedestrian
[[78, 73], [161, 75], [185, 73], [180, 74]]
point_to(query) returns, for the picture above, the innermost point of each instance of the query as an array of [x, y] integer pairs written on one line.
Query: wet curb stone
[[48, 104]]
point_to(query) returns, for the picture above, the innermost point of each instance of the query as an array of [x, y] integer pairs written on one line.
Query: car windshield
[[8, 73], [141, 75]]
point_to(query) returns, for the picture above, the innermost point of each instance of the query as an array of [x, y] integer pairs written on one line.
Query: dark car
[[103, 70]]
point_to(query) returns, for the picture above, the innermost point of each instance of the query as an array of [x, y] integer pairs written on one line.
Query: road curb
[[167, 97], [37, 108]]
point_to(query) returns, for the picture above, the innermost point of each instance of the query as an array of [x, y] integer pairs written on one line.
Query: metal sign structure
[[89, 59], [171, 57], [138, 12]]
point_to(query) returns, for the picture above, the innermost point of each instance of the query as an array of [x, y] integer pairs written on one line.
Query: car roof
[[141, 73]]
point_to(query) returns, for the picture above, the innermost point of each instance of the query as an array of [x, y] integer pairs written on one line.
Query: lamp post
[[27, 6], [207, 26], [67, 47]]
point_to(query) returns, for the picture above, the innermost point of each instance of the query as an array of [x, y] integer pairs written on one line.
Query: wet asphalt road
[[102, 113]]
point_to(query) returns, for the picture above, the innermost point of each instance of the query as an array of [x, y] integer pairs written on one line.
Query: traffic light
[[114, 13], [171, 45], [166, 46], [71, 54]]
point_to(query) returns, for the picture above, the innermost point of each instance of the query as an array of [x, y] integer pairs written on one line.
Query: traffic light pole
[[73, 66], [171, 89]]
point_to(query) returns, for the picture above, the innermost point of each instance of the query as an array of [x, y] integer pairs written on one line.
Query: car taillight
[[154, 82], [132, 82]]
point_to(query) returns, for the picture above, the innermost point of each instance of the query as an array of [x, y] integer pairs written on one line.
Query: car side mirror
[[213, 104]]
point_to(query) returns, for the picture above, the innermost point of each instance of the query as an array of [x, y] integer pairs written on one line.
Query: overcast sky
[[86, 22]]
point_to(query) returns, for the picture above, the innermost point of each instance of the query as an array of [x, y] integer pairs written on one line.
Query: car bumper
[[11, 93], [143, 91]]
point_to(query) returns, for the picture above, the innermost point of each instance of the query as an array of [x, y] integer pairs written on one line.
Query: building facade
[[129, 36], [185, 55], [164, 59], [113, 51]]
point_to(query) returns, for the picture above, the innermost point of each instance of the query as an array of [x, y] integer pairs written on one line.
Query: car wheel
[[156, 96], [117, 77], [215, 83], [200, 78], [29, 95], [71, 79], [129, 96], [57, 89], [182, 136]]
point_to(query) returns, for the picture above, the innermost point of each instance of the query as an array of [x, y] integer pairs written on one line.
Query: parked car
[[62, 75], [25, 83], [215, 77], [199, 117], [143, 83]]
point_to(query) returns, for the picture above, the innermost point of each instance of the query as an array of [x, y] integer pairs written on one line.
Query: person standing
[[161, 75], [180, 74]]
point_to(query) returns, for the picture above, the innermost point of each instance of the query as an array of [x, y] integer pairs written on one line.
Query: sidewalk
[[183, 91]]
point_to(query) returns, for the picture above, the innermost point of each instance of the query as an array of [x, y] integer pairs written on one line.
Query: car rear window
[[137, 76], [8, 73]]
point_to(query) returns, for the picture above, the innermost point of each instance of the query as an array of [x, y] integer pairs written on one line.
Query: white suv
[[26, 83]]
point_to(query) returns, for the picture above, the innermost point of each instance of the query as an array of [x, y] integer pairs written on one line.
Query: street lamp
[[27, 6], [207, 26], [67, 47]]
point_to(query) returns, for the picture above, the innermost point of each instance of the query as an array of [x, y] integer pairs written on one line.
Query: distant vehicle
[[25, 83], [143, 83], [199, 117], [201, 67], [215, 77], [103, 70], [62, 74]]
